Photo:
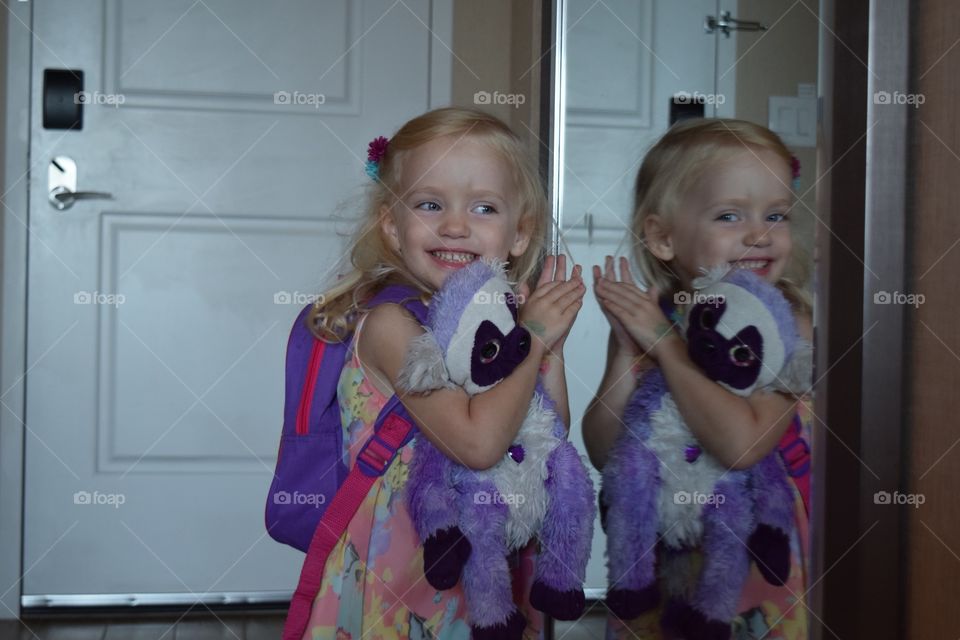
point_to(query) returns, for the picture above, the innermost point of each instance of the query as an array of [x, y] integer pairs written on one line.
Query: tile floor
[[265, 625]]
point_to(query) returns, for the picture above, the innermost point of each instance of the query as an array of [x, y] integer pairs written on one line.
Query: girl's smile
[[459, 203], [736, 214]]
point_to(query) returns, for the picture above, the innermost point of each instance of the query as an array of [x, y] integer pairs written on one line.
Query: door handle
[[727, 23], [62, 182], [62, 198]]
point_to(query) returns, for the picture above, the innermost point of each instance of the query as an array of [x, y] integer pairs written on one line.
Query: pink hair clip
[[375, 152]]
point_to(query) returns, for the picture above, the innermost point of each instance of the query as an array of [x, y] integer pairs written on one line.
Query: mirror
[[626, 70]]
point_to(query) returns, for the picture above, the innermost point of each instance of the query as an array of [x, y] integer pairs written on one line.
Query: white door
[[625, 61], [227, 132]]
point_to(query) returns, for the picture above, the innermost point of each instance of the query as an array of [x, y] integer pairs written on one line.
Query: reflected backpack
[[313, 496]]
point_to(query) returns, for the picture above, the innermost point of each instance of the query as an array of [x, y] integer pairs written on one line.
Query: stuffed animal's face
[[740, 332], [473, 340], [488, 343]]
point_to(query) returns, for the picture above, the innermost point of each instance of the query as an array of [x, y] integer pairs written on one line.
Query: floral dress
[[766, 611], [373, 584]]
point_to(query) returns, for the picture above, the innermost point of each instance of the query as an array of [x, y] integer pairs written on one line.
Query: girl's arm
[[473, 430], [737, 431], [552, 368], [555, 382], [603, 421]]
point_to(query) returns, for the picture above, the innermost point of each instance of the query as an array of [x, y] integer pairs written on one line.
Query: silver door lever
[[62, 182]]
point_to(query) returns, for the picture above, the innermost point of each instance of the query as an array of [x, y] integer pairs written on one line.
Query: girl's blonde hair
[[670, 170], [375, 264]]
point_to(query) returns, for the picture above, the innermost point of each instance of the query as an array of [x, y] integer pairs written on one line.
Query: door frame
[[15, 108]]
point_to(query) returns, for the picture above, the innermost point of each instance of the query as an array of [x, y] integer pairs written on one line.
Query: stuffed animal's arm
[[796, 377], [423, 367]]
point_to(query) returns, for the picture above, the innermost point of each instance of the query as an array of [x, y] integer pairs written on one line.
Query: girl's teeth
[[453, 257], [750, 264]]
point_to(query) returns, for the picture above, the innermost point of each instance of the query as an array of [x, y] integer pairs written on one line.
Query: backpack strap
[[392, 430], [795, 453]]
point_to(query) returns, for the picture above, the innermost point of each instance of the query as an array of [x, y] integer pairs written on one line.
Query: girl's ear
[[522, 240], [389, 228], [659, 241]]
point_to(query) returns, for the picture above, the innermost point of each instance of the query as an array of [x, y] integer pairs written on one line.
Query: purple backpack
[[311, 482]]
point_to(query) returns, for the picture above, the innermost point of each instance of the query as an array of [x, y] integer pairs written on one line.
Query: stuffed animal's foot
[[511, 629], [693, 625], [444, 555], [628, 604], [562, 605], [770, 549]]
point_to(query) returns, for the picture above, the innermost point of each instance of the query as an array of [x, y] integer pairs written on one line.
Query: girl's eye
[[741, 356], [777, 217], [484, 208], [429, 206], [489, 351], [727, 216]]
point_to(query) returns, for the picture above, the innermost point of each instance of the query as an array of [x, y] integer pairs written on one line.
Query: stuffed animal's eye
[[489, 351], [708, 318], [524, 343], [742, 356]]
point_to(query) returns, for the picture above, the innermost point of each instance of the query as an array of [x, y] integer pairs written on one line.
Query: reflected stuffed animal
[[659, 485], [471, 521]]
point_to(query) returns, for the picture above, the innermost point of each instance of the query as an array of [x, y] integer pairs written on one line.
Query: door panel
[[230, 134]]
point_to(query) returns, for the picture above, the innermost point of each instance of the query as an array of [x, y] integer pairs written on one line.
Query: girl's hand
[[550, 310], [625, 344], [638, 313]]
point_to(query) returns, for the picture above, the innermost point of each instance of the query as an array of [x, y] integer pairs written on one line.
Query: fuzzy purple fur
[[772, 298], [430, 495], [752, 521], [565, 536], [486, 577], [443, 498], [454, 296]]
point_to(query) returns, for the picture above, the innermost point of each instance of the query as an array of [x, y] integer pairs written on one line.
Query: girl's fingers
[[625, 274], [570, 296], [546, 274], [561, 272]]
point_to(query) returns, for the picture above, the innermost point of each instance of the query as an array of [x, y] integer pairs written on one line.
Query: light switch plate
[[794, 119]]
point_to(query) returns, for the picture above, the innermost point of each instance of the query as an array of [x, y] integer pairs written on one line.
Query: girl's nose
[[454, 223], [757, 235]]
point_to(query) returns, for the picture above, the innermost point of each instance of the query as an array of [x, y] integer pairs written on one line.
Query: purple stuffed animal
[[471, 521], [659, 482]]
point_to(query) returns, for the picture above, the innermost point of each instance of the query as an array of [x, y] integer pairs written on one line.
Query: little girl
[[709, 192], [451, 186]]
